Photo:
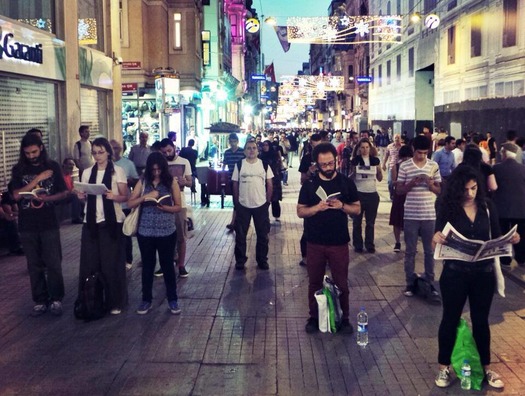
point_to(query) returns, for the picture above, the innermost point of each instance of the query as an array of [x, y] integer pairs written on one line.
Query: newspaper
[[91, 189], [460, 248]]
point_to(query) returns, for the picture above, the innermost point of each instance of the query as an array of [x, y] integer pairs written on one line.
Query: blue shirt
[[153, 221], [445, 161]]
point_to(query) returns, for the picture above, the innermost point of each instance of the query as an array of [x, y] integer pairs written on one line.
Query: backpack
[[239, 165], [423, 288], [91, 302]]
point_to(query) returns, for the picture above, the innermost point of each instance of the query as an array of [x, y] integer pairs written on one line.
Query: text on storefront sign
[[14, 49]]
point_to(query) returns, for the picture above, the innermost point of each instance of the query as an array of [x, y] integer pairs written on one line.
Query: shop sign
[[14, 49], [364, 79], [128, 65], [130, 87]]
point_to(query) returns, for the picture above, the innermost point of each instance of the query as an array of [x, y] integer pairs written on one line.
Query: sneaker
[[38, 310], [494, 379], [129, 266], [159, 273], [230, 227], [115, 311], [312, 326], [174, 307], [144, 308], [371, 250], [183, 273], [443, 378], [263, 266], [434, 296], [397, 247], [345, 327], [409, 291], [56, 308], [302, 263], [239, 266]]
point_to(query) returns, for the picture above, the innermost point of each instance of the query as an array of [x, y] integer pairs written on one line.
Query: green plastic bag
[[465, 348], [331, 310]]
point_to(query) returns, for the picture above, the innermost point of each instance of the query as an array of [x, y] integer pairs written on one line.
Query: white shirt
[[187, 172], [252, 183]]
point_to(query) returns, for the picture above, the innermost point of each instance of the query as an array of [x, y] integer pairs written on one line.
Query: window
[[351, 73], [37, 13], [380, 74], [91, 24], [398, 67], [475, 35], [452, 4], [411, 62], [123, 23], [510, 15], [451, 45], [398, 7], [430, 5], [177, 31], [206, 50], [388, 70]]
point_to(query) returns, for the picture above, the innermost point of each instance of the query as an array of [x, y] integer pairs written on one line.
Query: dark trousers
[[369, 205], [519, 248], [11, 233], [261, 221], [205, 197], [128, 242], [44, 262], [456, 287], [105, 254], [276, 209], [338, 258], [149, 246]]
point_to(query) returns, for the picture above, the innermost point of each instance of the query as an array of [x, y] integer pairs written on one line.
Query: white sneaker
[[129, 266], [494, 379], [115, 311], [443, 378]]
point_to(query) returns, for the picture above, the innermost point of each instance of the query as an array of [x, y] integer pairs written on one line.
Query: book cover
[[34, 193], [321, 193], [164, 200]]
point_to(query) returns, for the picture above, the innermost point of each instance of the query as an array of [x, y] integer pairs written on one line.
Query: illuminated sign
[[258, 77], [10, 48], [364, 79]]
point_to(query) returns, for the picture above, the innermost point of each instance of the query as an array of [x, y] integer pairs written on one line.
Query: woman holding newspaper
[[464, 206]]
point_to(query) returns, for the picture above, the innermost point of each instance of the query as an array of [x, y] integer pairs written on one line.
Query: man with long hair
[[38, 224]]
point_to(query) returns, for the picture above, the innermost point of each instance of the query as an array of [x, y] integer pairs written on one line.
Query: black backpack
[[91, 303]]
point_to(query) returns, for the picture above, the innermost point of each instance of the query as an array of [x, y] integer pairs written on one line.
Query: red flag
[[282, 35], [270, 72]]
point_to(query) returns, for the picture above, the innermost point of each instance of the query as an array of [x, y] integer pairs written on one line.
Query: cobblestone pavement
[[242, 333]]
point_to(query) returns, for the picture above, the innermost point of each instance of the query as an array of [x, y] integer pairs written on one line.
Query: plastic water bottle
[[466, 382], [362, 328]]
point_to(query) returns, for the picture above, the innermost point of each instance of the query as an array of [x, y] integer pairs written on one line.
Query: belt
[[469, 267]]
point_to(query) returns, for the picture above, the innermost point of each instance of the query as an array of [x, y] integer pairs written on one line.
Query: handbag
[[498, 274], [131, 222]]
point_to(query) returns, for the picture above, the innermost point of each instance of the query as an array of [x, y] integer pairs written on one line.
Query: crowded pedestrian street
[[242, 332]]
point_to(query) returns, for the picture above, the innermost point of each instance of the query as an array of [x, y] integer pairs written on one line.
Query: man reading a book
[[325, 203], [38, 224]]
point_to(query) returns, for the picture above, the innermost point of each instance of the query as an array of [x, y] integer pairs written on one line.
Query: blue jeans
[[44, 263], [414, 229], [369, 205]]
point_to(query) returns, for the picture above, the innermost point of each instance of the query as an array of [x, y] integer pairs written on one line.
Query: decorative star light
[[344, 21], [362, 28], [41, 24]]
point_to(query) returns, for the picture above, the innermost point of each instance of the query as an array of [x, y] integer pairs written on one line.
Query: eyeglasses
[[98, 152], [326, 164]]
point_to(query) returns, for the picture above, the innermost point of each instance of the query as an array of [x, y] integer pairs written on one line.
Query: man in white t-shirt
[[420, 180], [252, 193], [181, 169]]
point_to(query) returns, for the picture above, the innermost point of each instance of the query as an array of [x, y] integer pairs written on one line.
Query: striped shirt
[[419, 204]]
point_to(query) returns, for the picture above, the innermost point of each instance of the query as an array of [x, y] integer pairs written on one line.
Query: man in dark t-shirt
[[37, 183], [325, 203]]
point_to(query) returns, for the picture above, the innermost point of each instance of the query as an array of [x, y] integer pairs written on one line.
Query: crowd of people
[[433, 179]]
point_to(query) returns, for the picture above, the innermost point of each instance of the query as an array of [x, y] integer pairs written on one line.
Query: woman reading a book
[[102, 241], [158, 195], [464, 206], [366, 170]]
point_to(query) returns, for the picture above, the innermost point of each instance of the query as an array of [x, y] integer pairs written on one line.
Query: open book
[[460, 248], [34, 193], [164, 200], [91, 189], [321, 193]]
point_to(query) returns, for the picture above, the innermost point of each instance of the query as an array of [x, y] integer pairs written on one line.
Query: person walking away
[[191, 155], [420, 180], [397, 210], [273, 158], [157, 230], [252, 194], [38, 224], [102, 242], [326, 225], [464, 206], [445, 158], [390, 160], [366, 170]]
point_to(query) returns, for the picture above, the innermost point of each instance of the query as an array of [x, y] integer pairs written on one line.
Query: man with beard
[[181, 169], [38, 224], [326, 225]]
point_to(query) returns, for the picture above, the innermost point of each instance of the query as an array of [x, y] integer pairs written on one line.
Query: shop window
[[37, 13], [93, 110], [91, 24]]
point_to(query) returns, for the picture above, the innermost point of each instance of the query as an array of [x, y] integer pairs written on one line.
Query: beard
[[327, 173], [170, 158]]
